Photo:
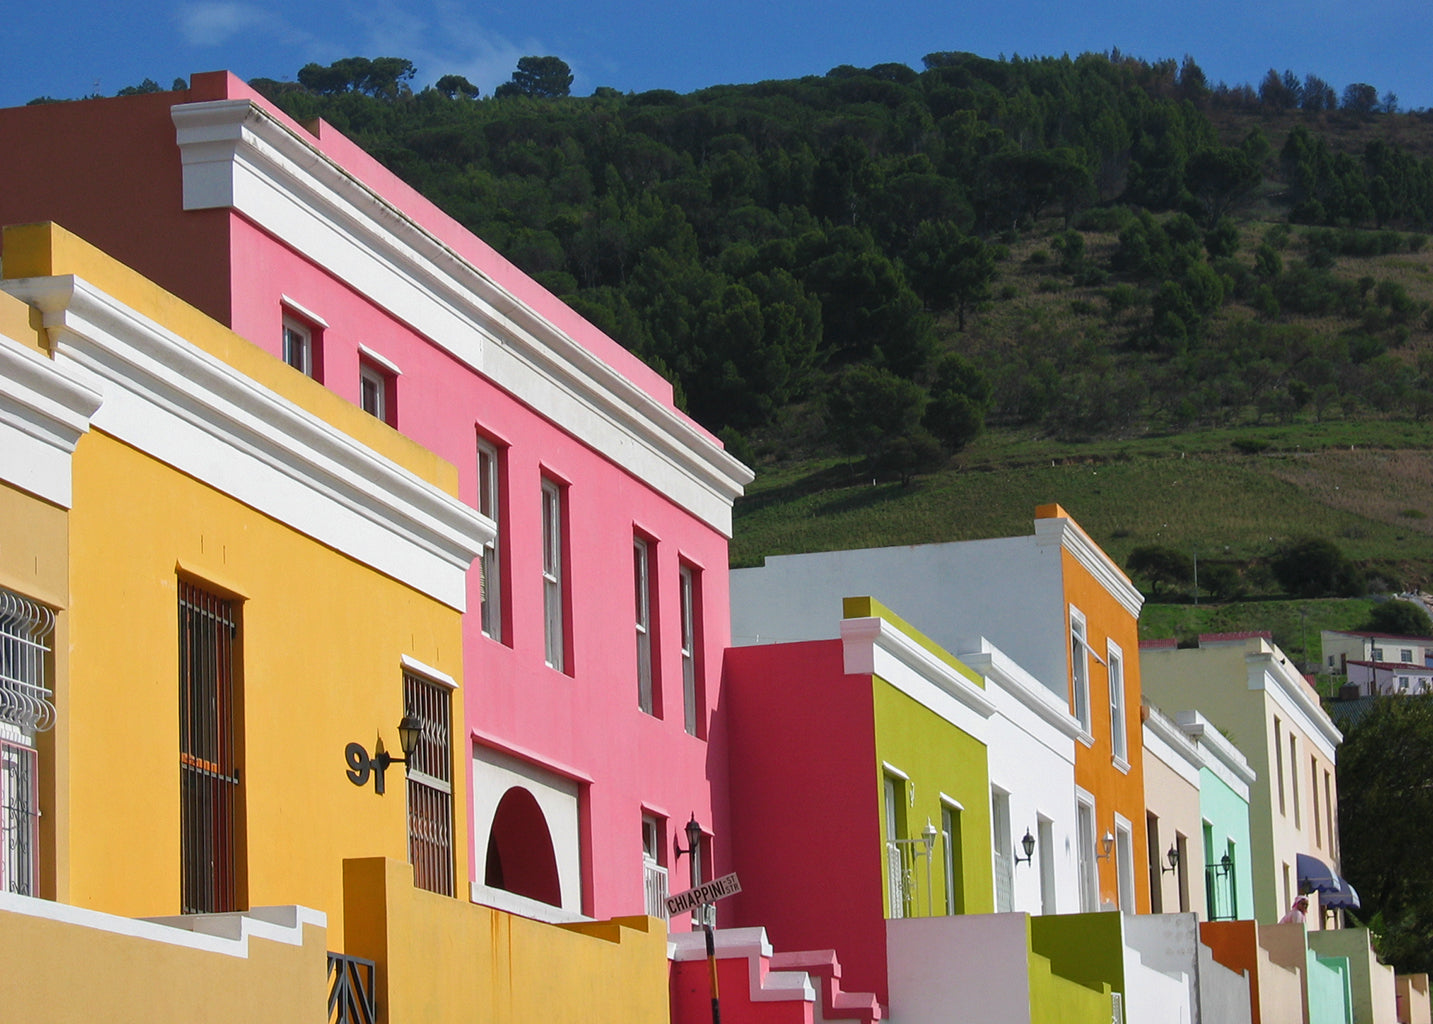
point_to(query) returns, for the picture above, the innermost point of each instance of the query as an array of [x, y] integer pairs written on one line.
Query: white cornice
[[1221, 757], [996, 665], [1166, 741], [1292, 692], [43, 413], [177, 403], [1058, 530], [238, 156], [874, 646]]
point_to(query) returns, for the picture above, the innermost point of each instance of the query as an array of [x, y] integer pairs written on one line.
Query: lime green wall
[[938, 758], [1085, 948]]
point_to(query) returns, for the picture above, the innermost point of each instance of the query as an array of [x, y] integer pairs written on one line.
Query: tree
[[1315, 567], [1161, 565], [959, 400], [538, 78], [1360, 98], [1400, 618], [949, 268], [453, 86], [1385, 785], [877, 415]]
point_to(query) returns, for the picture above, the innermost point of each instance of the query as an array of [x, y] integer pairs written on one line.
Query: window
[[377, 392], [25, 710], [1045, 850], [951, 862], [1118, 726], [647, 698], [490, 495], [1328, 812], [1405, 655], [1181, 843], [654, 873], [1294, 777], [302, 348], [693, 694], [1378, 654], [1124, 864], [553, 589], [1080, 668], [210, 743], [1085, 838], [1314, 793], [1279, 760], [895, 806], [1004, 862], [430, 785], [1152, 847]]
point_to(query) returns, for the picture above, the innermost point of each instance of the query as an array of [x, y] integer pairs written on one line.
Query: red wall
[[805, 794]]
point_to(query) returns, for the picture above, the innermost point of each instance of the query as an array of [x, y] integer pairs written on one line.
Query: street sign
[[716, 889]]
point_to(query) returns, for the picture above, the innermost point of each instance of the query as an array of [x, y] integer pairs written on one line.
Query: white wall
[[971, 969], [1008, 590]]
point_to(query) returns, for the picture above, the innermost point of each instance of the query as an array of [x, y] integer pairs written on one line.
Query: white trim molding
[[379, 360], [1221, 757], [1292, 693], [874, 646], [428, 672], [1164, 739], [993, 663], [1072, 538], [238, 156], [174, 401], [43, 413]]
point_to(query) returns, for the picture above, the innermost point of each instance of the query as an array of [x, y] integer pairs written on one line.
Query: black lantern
[[1173, 857], [1028, 845], [361, 766]]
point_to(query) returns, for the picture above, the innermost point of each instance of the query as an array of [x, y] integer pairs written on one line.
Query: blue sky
[[71, 48]]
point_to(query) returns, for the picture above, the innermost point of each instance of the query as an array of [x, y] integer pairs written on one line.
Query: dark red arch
[[520, 856]]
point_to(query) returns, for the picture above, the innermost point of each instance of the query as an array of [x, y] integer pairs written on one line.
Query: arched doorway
[[520, 857]]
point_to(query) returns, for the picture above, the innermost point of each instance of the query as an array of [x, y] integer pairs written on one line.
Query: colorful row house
[[587, 730]]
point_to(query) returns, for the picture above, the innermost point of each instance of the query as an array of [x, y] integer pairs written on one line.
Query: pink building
[[592, 658]]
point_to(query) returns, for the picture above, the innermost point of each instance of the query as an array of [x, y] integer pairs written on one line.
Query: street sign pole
[[711, 965], [699, 900]]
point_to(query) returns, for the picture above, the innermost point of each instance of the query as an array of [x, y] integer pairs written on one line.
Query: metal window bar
[[654, 878], [19, 819], [896, 876], [352, 991], [430, 786], [208, 755], [25, 701]]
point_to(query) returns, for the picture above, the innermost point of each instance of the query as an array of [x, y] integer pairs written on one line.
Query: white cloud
[[219, 22]]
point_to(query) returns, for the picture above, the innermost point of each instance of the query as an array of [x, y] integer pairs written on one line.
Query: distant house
[[1389, 678], [1341, 649]]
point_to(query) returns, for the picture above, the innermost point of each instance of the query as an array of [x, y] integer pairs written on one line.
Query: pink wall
[[804, 789], [115, 180]]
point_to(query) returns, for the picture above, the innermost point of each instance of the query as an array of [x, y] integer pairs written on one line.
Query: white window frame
[[554, 626], [654, 871], [1001, 845], [950, 814], [1279, 762], [490, 494], [298, 344], [692, 712], [642, 601], [373, 385], [1080, 667], [1045, 848], [1294, 779], [1086, 867], [1124, 864], [897, 885], [1119, 728]]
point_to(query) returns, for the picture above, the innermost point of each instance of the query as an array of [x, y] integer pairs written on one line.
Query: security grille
[[19, 819], [24, 698], [430, 786], [208, 752]]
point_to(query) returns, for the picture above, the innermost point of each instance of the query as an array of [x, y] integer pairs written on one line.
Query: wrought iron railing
[[896, 876], [1220, 892], [351, 990]]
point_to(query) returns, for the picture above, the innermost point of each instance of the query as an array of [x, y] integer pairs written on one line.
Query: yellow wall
[[321, 637], [495, 966], [60, 971]]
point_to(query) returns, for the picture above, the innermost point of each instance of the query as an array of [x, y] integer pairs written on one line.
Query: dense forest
[[884, 259]]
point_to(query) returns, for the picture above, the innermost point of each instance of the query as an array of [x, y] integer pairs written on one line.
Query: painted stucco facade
[[1225, 779], [1173, 818], [263, 224], [167, 456], [823, 733], [1248, 691], [1039, 599]]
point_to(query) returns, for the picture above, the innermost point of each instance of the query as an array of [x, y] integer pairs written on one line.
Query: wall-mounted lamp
[[1225, 865], [1108, 845], [360, 765], [928, 834], [1173, 857], [1028, 845]]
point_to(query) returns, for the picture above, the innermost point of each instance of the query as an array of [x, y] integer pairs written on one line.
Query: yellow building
[[228, 587]]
